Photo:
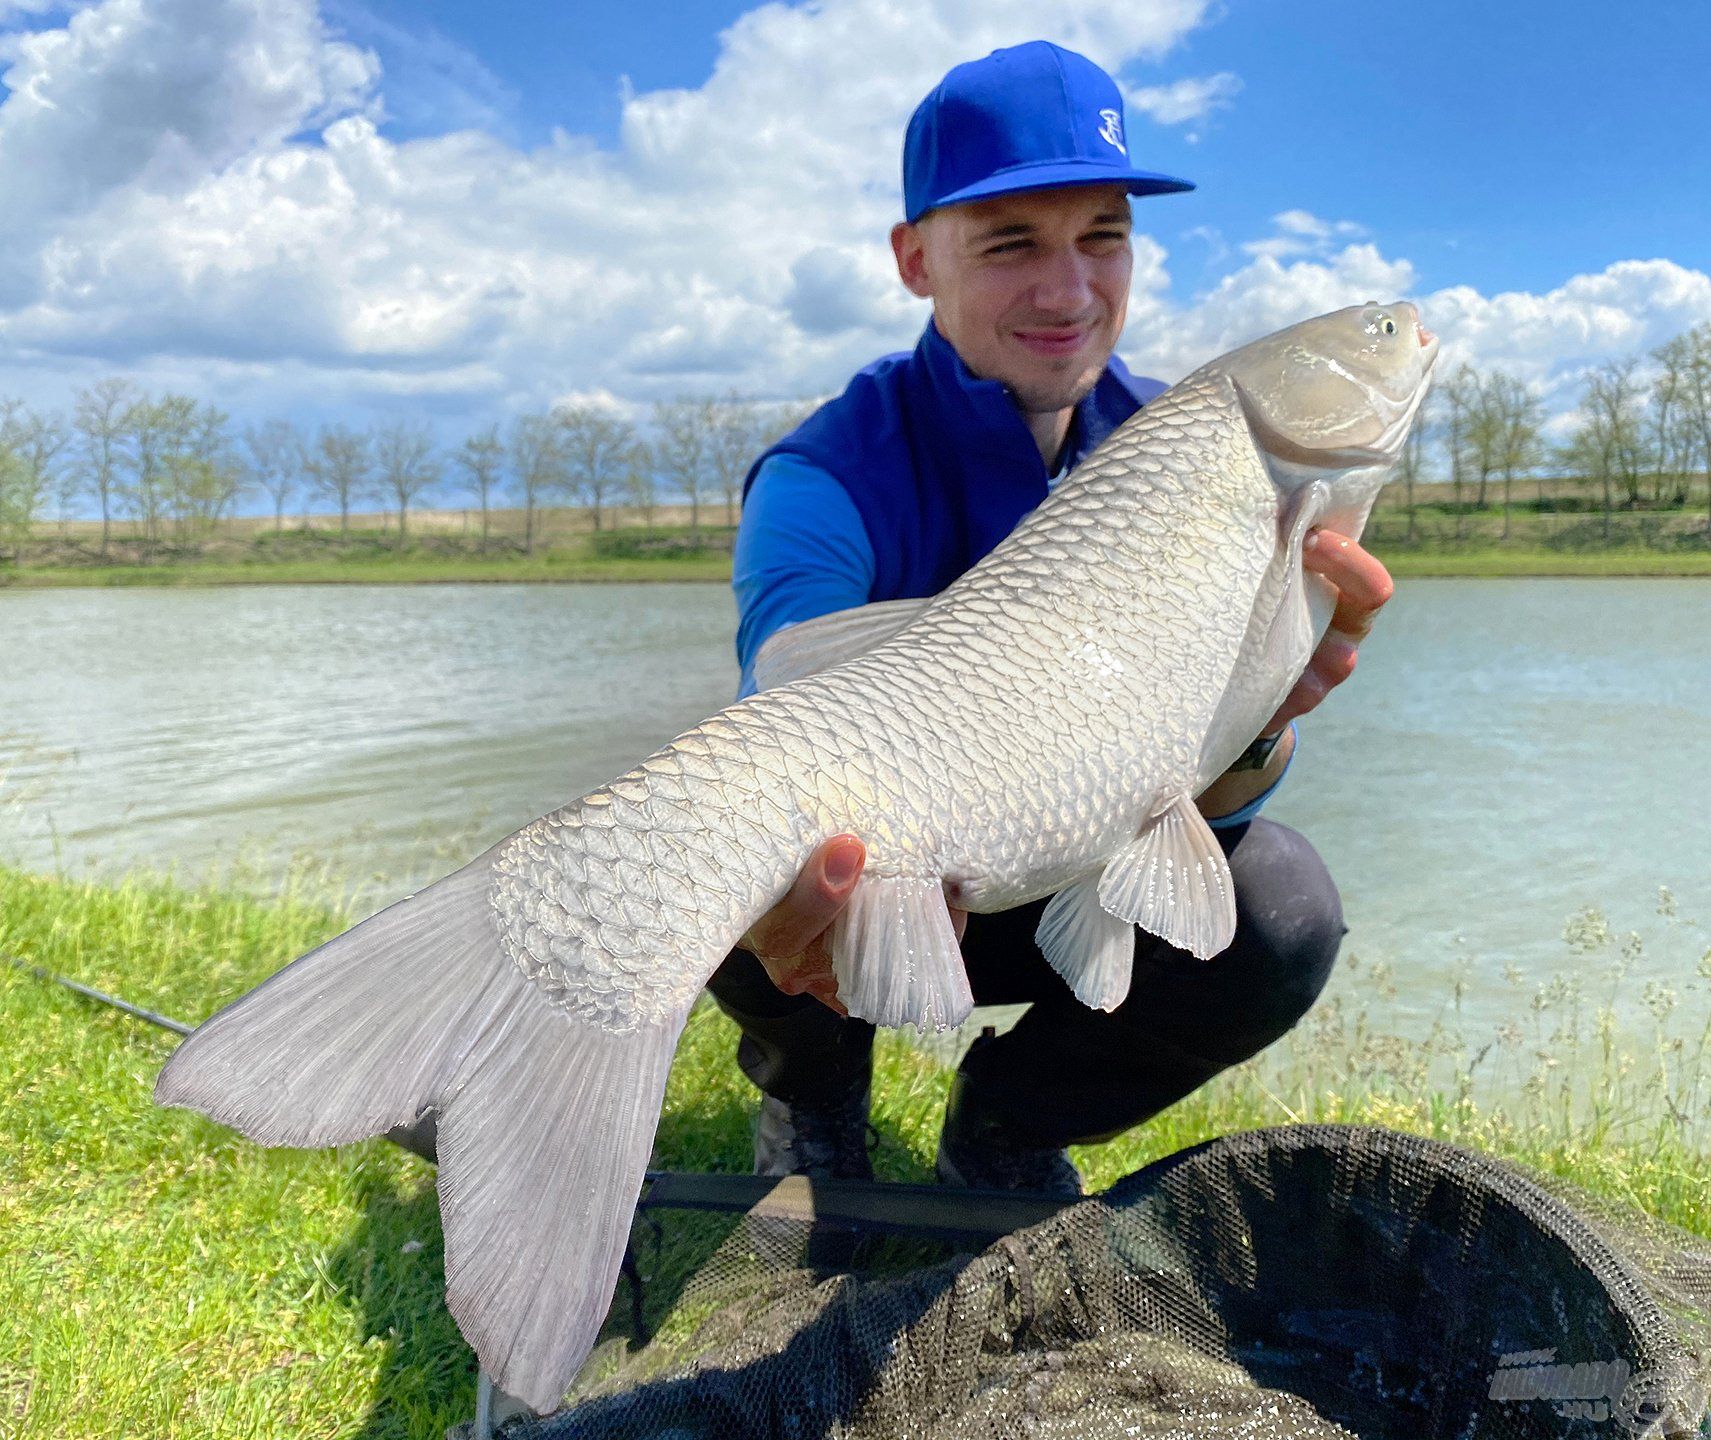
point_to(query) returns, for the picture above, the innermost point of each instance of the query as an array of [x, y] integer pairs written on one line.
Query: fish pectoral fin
[[1174, 882], [1307, 601], [1085, 943], [828, 640], [896, 956]]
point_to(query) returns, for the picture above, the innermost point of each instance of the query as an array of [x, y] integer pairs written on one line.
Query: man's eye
[[1007, 247], [1109, 237]]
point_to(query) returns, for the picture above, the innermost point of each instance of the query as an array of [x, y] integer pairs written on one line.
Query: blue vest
[[939, 463]]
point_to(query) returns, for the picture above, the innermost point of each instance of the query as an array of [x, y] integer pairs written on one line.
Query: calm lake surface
[[1510, 751]]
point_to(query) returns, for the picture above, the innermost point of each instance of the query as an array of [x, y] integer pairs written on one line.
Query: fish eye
[[1386, 324]]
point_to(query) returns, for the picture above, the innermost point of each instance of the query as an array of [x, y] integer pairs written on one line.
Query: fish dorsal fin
[[1085, 943], [896, 956], [827, 640], [1174, 881]]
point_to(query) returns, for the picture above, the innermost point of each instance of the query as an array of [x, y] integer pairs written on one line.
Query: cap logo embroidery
[[1112, 130]]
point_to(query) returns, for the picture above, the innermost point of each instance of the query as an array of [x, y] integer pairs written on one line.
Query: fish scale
[[1039, 728], [1048, 774]]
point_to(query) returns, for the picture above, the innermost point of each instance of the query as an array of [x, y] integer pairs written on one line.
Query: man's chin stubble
[[1040, 400]]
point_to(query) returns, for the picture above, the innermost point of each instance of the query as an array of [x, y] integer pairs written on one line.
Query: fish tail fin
[[545, 1121]]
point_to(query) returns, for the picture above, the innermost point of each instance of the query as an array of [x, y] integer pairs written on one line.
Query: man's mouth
[[1052, 340]]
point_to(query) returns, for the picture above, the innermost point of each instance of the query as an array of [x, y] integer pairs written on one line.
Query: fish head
[[1332, 400]]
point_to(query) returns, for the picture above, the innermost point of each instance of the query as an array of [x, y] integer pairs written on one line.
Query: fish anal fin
[[896, 956], [828, 640], [1173, 881], [1092, 949]]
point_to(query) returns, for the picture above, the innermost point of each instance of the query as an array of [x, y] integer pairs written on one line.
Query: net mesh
[[1306, 1281]]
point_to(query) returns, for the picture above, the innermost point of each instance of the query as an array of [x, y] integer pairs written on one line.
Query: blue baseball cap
[[1032, 117]]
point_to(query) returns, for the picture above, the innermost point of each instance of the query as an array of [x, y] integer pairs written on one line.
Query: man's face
[[1030, 289]]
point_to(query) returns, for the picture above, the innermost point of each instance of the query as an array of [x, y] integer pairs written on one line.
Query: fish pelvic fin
[[545, 1119], [1174, 882], [896, 955], [1092, 949]]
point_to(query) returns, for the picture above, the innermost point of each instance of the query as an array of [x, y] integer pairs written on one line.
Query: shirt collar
[[983, 413]]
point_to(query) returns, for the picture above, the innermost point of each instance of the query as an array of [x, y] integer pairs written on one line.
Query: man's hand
[[793, 939], [1363, 585]]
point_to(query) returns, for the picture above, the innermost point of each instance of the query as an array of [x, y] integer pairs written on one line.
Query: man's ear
[[908, 245]]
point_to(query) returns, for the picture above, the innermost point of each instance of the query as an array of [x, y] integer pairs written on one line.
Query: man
[[1016, 185]]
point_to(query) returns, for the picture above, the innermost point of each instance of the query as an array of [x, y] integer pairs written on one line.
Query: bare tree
[[338, 468], [152, 429], [17, 511], [780, 418], [1482, 432], [203, 477], [680, 451], [640, 486], [1604, 449], [1696, 404], [1664, 410], [404, 455], [736, 436], [595, 443], [275, 463], [1516, 415], [1412, 466], [33, 440], [1461, 394], [537, 462], [1614, 395], [480, 457], [98, 421]]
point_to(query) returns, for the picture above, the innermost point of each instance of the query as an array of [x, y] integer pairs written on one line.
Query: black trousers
[[1066, 1073]]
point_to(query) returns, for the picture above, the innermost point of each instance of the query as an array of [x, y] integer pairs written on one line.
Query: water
[[1509, 752]]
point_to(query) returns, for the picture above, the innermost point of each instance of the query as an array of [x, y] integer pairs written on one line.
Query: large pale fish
[[1040, 727]]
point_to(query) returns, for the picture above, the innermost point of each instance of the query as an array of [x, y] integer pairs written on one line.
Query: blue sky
[[366, 209], [1502, 145]]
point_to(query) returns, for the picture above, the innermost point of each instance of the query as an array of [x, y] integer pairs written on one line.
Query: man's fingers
[[813, 902], [1363, 584]]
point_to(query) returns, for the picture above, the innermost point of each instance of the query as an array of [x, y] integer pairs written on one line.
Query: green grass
[[556, 568], [1490, 561], [548, 567], [160, 1276], [1446, 542]]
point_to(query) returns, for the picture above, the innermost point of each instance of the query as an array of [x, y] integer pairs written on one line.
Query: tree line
[[1640, 440], [174, 467]]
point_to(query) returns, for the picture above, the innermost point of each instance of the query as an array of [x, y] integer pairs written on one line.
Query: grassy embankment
[[164, 1277], [1440, 538]]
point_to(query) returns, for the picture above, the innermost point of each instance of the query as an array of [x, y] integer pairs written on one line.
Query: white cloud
[[204, 193], [1299, 232], [1191, 98], [178, 209]]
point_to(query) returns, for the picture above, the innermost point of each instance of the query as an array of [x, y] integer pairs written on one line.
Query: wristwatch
[[1255, 756]]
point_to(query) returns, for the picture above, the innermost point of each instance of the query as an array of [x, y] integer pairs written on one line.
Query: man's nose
[[1064, 284]]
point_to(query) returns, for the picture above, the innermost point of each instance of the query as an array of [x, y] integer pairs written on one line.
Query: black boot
[[824, 1140], [978, 1151]]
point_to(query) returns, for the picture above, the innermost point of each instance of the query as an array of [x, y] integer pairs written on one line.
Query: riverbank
[[578, 565], [172, 1278]]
